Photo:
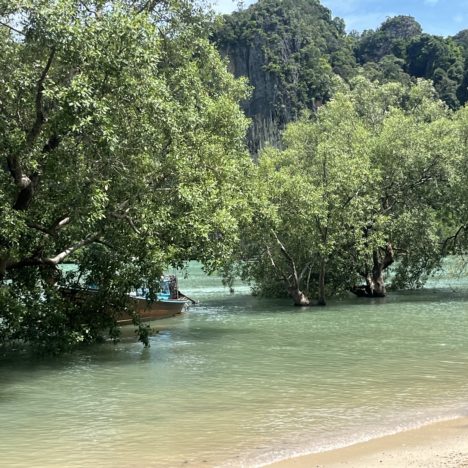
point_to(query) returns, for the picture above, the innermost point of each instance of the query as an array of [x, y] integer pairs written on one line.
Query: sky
[[441, 17]]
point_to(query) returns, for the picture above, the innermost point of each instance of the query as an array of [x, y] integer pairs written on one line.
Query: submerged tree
[[316, 204], [412, 152], [121, 145], [455, 205], [359, 187]]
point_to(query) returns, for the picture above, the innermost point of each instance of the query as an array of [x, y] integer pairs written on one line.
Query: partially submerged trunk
[[375, 281], [299, 298], [374, 287]]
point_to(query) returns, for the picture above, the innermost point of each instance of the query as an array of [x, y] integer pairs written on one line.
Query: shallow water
[[242, 381]]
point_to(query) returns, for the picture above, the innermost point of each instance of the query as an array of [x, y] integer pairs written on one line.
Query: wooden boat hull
[[147, 310], [153, 310]]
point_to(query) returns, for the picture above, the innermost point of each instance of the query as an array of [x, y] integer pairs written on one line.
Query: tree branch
[[350, 199], [304, 270], [27, 184], [127, 218], [454, 238], [389, 257], [148, 6], [22, 181], [39, 228], [60, 223], [51, 144], [17, 31], [288, 258], [105, 243], [52, 261], [273, 264], [52, 231], [27, 188], [39, 104], [62, 255]]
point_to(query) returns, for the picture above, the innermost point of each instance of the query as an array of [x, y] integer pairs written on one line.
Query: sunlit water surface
[[240, 381]]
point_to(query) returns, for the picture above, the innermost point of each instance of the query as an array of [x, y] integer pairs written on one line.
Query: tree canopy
[[121, 145], [362, 185], [389, 39]]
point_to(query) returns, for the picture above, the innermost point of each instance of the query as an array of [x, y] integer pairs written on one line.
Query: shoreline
[[438, 444]]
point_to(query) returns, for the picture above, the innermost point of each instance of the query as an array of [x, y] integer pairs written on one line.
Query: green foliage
[[375, 166], [454, 212], [399, 50], [389, 39], [440, 60], [462, 40], [121, 146]]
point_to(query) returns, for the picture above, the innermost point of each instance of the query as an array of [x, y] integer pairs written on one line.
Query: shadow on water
[[21, 365], [432, 295], [18, 366]]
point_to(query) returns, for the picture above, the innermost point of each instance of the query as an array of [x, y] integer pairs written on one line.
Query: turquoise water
[[241, 381]]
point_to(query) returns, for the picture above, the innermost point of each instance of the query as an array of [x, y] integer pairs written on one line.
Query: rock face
[[287, 50], [264, 108]]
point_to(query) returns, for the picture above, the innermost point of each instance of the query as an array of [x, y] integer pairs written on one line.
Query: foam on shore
[[441, 444]]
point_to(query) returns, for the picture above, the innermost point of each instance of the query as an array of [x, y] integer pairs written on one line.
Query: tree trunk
[[321, 297], [375, 282], [299, 298], [26, 194]]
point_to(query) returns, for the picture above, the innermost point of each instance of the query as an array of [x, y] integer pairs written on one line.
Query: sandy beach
[[442, 444]]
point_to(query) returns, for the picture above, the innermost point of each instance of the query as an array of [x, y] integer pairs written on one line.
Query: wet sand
[[442, 444]]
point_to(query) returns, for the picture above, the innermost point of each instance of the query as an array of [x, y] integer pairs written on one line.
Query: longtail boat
[[168, 303]]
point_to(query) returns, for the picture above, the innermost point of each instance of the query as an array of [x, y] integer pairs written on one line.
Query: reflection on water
[[240, 381]]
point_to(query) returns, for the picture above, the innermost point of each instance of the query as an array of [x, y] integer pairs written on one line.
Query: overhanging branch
[[454, 238], [64, 254], [55, 260], [126, 217], [53, 230]]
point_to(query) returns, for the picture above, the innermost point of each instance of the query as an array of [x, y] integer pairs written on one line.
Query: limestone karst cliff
[[289, 51]]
